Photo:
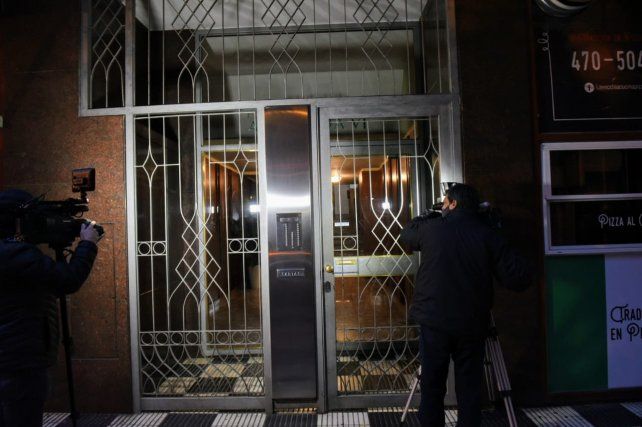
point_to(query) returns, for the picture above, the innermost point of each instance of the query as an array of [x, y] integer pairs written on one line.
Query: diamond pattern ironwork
[[190, 346], [107, 30], [149, 165], [302, 54], [382, 347], [381, 14], [284, 19], [190, 15]]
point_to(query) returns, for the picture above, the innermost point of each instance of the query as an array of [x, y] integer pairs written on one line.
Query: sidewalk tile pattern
[[561, 416], [600, 415], [635, 407], [146, 419], [343, 419], [609, 414]]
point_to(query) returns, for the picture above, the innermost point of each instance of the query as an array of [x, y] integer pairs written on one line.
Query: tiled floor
[[377, 350], [600, 415], [243, 376]]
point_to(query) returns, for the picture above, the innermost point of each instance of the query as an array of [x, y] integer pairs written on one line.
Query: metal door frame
[[446, 106], [450, 169]]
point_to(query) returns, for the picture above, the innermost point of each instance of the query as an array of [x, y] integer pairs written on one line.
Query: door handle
[[329, 268]]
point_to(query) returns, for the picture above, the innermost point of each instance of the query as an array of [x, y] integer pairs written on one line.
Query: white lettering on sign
[[610, 221], [286, 273], [607, 221], [585, 60]]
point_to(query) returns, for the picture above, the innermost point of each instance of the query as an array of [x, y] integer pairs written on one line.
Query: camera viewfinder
[[83, 180]]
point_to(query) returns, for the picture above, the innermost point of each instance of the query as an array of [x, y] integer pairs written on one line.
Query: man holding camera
[[460, 256], [30, 283]]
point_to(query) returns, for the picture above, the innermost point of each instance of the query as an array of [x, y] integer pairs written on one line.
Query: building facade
[[256, 162]]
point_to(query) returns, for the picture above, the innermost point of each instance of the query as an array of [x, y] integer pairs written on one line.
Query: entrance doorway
[[379, 168], [203, 232], [203, 285], [377, 84]]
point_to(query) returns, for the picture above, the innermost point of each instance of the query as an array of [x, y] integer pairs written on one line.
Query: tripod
[[494, 372], [494, 366], [68, 344]]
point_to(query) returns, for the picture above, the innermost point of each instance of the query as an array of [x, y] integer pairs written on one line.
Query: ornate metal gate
[[198, 255], [379, 169]]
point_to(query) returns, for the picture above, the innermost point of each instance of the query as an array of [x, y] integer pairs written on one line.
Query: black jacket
[[30, 283], [460, 256]]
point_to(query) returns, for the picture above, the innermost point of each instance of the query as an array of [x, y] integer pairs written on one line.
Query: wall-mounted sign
[[592, 197], [595, 322], [589, 69], [623, 275], [603, 222], [290, 273]]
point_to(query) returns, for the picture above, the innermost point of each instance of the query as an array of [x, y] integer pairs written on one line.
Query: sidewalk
[[598, 415]]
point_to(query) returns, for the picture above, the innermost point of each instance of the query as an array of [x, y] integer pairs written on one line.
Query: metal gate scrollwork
[[198, 264]]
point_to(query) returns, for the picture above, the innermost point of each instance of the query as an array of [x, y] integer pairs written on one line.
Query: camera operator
[[460, 255], [30, 283]]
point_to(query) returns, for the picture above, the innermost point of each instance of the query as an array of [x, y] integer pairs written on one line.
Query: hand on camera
[[88, 232]]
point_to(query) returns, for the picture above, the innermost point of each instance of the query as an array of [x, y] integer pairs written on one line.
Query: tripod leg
[[510, 412], [67, 342], [501, 374], [413, 388], [488, 372]]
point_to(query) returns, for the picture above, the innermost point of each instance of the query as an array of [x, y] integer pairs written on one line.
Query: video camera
[[489, 214], [56, 223]]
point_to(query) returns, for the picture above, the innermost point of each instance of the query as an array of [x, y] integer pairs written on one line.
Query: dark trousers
[[467, 351], [22, 398]]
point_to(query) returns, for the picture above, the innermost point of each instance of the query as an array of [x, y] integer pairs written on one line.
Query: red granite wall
[[43, 140]]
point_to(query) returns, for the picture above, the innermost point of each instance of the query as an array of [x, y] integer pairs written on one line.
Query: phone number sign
[[589, 81]]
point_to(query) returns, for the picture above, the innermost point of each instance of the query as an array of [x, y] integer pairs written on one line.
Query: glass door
[[377, 172]]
